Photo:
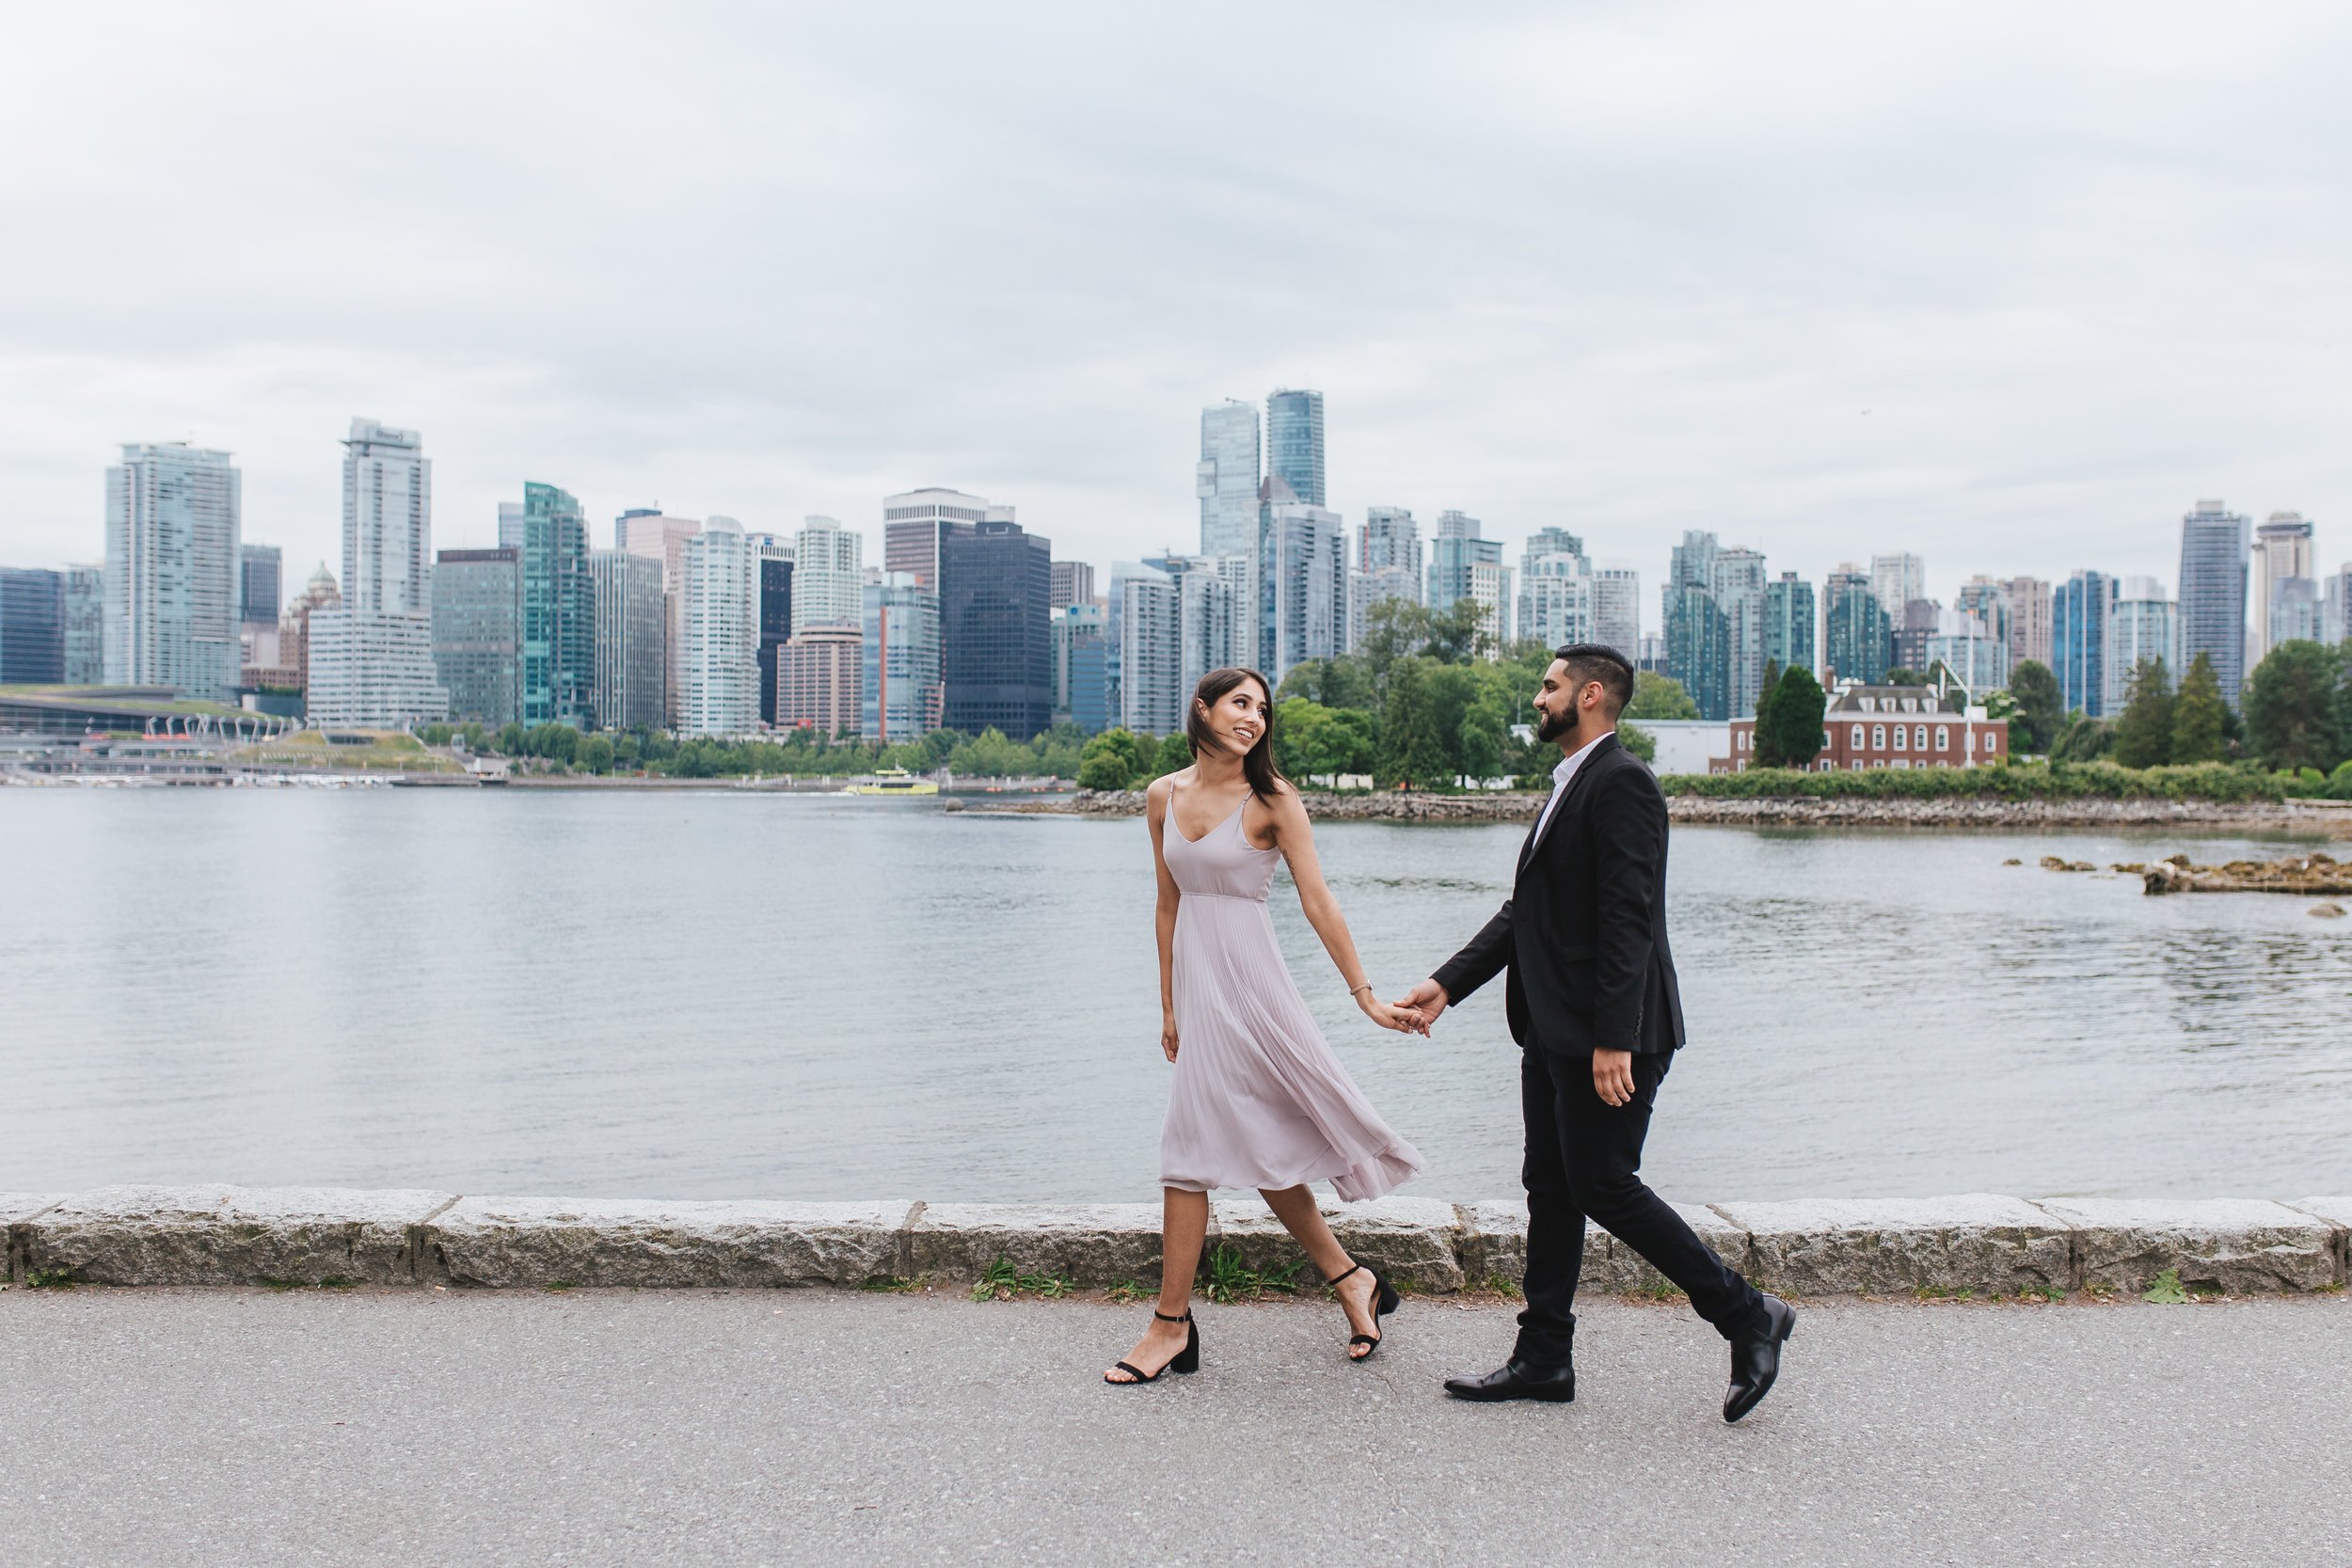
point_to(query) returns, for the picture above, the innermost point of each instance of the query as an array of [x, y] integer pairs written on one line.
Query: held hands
[[1391, 1015], [1426, 1002]]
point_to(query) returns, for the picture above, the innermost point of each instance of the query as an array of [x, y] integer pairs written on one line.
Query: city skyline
[[1890, 323]]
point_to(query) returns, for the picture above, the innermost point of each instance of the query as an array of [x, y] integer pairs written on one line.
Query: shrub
[[2033, 781]]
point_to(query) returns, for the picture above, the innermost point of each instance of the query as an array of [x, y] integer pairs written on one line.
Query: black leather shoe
[[1517, 1380], [1756, 1360]]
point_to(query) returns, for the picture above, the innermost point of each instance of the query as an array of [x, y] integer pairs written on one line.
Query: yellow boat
[[894, 780]]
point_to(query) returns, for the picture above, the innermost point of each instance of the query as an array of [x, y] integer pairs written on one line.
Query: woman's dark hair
[[1257, 763]]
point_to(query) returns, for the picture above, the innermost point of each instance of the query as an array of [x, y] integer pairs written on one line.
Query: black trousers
[[1584, 1161]]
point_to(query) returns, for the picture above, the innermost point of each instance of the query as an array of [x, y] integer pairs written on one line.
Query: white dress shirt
[[1560, 777]]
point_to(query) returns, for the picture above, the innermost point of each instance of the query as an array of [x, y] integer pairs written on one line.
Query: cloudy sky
[[2007, 285]]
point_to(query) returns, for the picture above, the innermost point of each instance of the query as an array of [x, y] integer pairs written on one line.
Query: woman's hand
[[1405, 1021], [1168, 1036]]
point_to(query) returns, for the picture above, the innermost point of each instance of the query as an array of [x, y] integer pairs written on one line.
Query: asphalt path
[[250, 1428]]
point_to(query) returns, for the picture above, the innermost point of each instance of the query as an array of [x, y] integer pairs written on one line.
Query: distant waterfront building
[[1294, 447], [1855, 638], [2213, 592], [1150, 652], [85, 624], [1897, 580], [1072, 584], [32, 626], [2282, 554], [2079, 617], [1789, 625], [1080, 666], [900, 697], [1226, 479], [1915, 628], [559, 605], [915, 523], [172, 522], [1216, 618], [650, 533], [772, 558], [1888, 726], [996, 656], [828, 575], [1303, 588], [1652, 658], [1963, 645], [1737, 584], [260, 592], [294, 628], [2029, 621], [818, 681], [1556, 599], [1698, 648], [722, 684], [2296, 612], [1617, 609], [1987, 599], [632, 641], [477, 633], [1389, 558], [372, 659], [2143, 625], [2335, 608], [1462, 566]]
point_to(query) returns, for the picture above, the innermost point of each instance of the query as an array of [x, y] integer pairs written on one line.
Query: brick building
[[1888, 726]]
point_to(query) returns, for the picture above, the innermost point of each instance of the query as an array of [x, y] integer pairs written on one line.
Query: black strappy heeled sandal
[[1185, 1360], [1384, 1301]]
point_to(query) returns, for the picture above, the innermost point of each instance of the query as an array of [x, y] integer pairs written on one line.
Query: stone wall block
[[220, 1235], [1414, 1240], [2236, 1247], [1977, 1242], [17, 1211], [1626, 1270], [1090, 1244], [554, 1240], [2336, 1212]]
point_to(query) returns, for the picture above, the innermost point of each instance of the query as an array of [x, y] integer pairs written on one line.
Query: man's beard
[[1554, 726]]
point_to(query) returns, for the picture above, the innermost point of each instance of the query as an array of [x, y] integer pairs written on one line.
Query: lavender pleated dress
[[1259, 1097]]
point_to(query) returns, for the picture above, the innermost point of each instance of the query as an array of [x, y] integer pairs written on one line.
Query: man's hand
[[1612, 1076], [1429, 998]]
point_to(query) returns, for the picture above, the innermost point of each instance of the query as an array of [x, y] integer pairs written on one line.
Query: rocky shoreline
[[2318, 820]]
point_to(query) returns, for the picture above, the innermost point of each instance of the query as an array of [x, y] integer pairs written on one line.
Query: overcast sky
[[2009, 286]]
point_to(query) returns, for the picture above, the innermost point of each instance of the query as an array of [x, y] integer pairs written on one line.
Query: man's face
[[1555, 704]]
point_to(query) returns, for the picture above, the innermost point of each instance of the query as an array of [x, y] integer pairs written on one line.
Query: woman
[[1259, 1100]]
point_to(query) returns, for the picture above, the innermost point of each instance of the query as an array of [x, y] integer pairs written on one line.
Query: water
[[723, 994]]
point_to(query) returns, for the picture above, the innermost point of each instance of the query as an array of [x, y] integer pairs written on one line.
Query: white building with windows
[[1303, 595], [1617, 609], [1227, 479], [1152, 690], [1557, 601], [828, 575], [722, 621], [171, 615], [371, 658], [2142, 624]]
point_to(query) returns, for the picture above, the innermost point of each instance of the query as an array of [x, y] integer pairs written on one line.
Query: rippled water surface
[[728, 995]]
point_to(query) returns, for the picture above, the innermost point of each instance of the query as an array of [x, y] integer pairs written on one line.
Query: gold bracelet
[[1366, 985]]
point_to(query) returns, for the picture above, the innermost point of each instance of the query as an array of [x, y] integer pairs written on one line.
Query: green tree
[[1657, 696], [1333, 682], [2291, 706], [1109, 761], [1789, 731], [596, 754], [2085, 739], [989, 755], [1412, 749], [2200, 717], [2041, 709], [1174, 755], [1903, 676], [2143, 735], [510, 743], [1638, 740]]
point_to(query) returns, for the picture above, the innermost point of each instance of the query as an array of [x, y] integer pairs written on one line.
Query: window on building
[[1857, 735], [1943, 737], [1878, 736]]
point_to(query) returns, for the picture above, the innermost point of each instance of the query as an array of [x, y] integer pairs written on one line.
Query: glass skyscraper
[[632, 640], [477, 633], [1698, 648], [997, 654], [2078, 635], [900, 691], [32, 628], [2143, 626], [2213, 592], [171, 615], [559, 606], [1294, 445], [1855, 635], [1226, 479], [1788, 623]]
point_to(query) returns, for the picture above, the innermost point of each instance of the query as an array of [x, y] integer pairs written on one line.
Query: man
[[1593, 1003]]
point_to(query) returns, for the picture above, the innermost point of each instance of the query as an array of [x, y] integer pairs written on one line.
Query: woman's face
[[1238, 718]]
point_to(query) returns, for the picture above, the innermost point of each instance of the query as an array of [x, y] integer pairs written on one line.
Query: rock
[[1411, 1239], [2012, 861], [1627, 1270], [2236, 1247], [2306, 873], [555, 1240], [221, 1235], [2327, 912], [1494, 1246], [16, 1208], [2336, 1212], [1089, 1245], [1980, 1244], [2052, 862]]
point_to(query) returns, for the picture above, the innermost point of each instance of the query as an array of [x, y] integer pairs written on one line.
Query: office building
[[2298, 612], [1228, 478], [997, 654], [1789, 625], [2282, 554], [818, 681], [85, 624], [1462, 566], [2214, 543], [632, 641], [1072, 583], [559, 605], [1856, 636], [1294, 447], [294, 627], [650, 533], [828, 575], [1738, 581], [171, 607], [388, 577], [1081, 666], [477, 633], [1303, 588], [721, 647], [1389, 558], [2078, 623], [2335, 608], [1152, 691], [2143, 626], [915, 523], [1617, 609], [1556, 602], [2029, 623], [32, 626], [371, 669], [1896, 580], [260, 594], [1914, 627], [1987, 599], [1698, 648], [900, 695], [1964, 648], [771, 557], [1216, 615]]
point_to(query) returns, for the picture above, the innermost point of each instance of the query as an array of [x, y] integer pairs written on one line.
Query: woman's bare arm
[[1164, 919], [1295, 837]]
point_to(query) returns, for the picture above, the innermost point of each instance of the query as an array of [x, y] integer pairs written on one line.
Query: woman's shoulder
[[1159, 788]]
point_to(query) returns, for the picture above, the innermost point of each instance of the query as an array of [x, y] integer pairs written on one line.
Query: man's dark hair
[[1598, 662]]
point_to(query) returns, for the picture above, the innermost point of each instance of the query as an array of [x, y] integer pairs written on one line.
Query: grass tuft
[[1231, 1279], [1002, 1281], [891, 1285], [51, 1279]]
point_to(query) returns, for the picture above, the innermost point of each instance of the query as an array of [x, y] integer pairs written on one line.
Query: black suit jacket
[[1584, 932]]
